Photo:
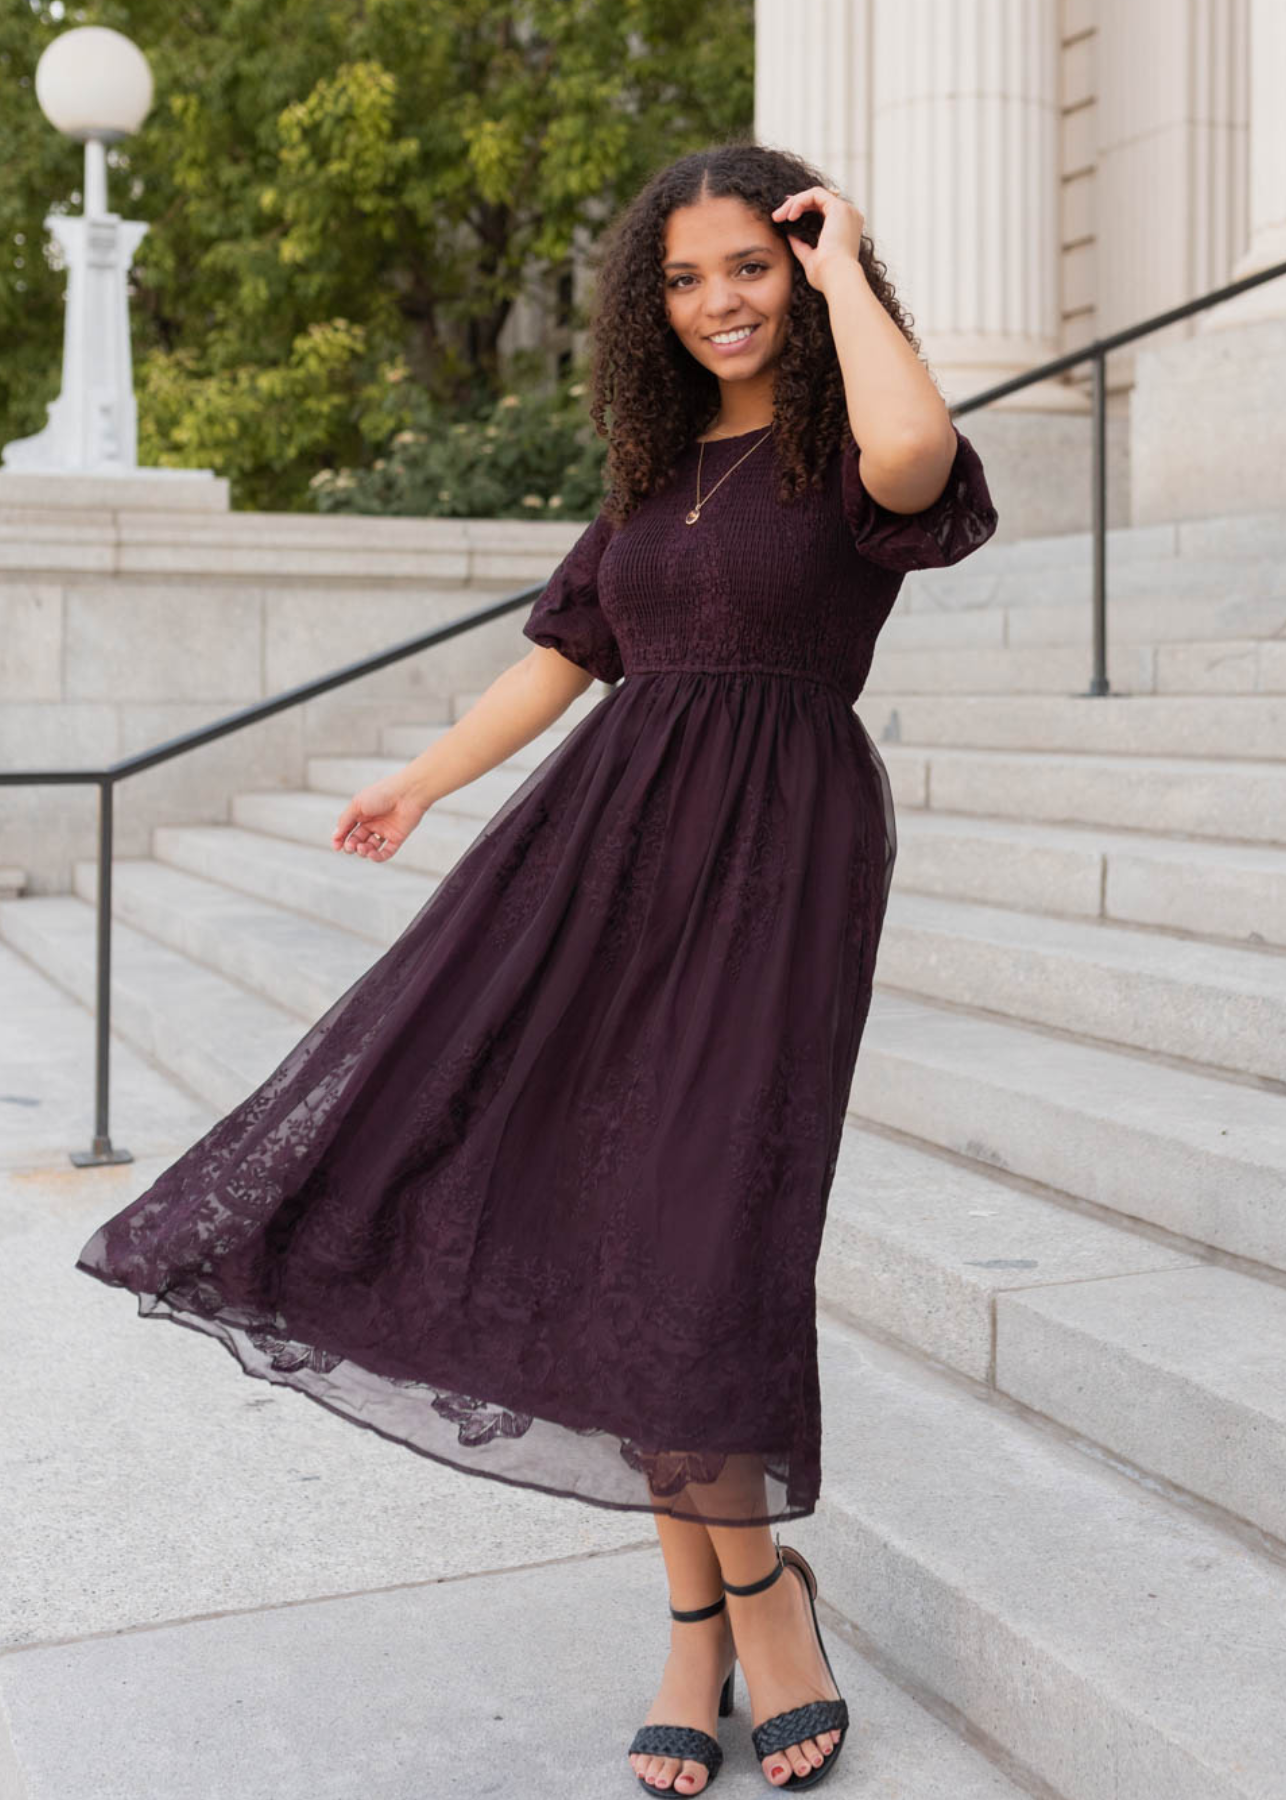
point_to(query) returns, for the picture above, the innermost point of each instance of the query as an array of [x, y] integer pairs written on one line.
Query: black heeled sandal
[[685, 1741], [801, 1721]]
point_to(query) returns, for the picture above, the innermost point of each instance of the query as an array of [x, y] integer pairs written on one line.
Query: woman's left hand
[[840, 237]]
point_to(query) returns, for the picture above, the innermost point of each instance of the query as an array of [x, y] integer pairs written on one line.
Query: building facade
[[1039, 173]]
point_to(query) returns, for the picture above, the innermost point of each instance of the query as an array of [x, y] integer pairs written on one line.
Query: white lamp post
[[96, 86]]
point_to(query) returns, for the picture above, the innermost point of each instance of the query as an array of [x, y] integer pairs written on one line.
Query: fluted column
[[1171, 195], [812, 85], [1261, 67], [966, 190], [941, 119]]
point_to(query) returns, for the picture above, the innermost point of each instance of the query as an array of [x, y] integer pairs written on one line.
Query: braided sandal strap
[[799, 1723], [684, 1741]]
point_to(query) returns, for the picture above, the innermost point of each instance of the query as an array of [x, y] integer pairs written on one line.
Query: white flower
[[511, 400], [576, 389], [532, 500], [555, 499], [321, 478]]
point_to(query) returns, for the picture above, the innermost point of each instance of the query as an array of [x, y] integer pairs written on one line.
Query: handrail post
[[101, 1150], [1098, 514]]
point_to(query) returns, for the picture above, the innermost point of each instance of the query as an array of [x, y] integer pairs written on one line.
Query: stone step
[[1181, 1370], [298, 963], [1203, 668], [1218, 889], [1241, 803], [1233, 891], [1204, 797], [404, 742], [1050, 573], [1053, 669], [211, 1034], [1210, 666], [1142, 623], [479, 799], [1211, 890], [1234, 728], [1182, 1149], [372, 900], [1110, 1642], [1138, 1345], [304, 816], [1218, 1005]]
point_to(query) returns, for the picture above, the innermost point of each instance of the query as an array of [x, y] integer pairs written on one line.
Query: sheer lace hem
[[501, 1442]]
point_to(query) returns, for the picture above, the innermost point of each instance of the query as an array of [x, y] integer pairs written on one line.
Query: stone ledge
[[171, 490]]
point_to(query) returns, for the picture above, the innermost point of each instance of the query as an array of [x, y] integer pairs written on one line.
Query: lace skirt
[[541, 1194]]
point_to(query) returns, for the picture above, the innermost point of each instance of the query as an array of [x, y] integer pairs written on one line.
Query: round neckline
[[734, 437]]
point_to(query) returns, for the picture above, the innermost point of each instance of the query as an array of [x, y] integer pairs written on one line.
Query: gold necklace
[[695, 514]]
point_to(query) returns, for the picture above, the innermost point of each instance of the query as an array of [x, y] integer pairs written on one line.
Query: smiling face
[[727, 276]]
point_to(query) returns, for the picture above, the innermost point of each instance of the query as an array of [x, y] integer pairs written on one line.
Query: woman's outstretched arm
[[520, 703]]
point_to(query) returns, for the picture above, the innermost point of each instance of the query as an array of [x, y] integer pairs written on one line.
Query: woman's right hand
[[378, 820]]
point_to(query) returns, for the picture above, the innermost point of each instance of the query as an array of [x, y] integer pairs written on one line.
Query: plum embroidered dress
[[541, 1195]]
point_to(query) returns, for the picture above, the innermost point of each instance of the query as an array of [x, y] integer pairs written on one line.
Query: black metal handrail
[[101, 1148], [1096, 353]]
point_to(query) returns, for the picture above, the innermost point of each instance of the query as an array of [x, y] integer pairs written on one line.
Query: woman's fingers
[[813, 198], [346, 822], [377, 821]]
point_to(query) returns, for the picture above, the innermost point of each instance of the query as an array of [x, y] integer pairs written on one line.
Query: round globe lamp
[[95, 86]]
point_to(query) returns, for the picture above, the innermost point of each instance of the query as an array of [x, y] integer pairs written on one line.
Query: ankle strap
[[701, 1612], [755, 1587]]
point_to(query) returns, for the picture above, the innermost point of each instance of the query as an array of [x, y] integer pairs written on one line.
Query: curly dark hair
[[660, 397]]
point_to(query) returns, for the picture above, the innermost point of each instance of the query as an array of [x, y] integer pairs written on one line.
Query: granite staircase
[[1053, 1287]]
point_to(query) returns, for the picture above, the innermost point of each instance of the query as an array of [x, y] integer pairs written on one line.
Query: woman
[[542, 1194]]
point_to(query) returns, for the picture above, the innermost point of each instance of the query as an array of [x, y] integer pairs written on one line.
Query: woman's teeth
[[733, 337]]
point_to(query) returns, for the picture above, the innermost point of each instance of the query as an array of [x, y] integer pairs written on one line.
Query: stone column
[[812, 86], [1264, 167], [1209, 386], [941, 121]]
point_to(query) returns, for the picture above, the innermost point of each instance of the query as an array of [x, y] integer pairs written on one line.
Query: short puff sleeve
[[958, 522], [567, 616]]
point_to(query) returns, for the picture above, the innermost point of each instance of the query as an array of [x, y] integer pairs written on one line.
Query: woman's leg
[[701, 1652], [775, 1642]]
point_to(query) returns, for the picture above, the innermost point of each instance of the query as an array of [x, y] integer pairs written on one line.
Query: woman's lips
[[731, 349]]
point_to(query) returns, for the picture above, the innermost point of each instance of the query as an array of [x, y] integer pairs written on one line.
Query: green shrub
[[532, 455]]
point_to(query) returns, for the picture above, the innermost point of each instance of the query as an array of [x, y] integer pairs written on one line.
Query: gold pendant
[[693, 516]]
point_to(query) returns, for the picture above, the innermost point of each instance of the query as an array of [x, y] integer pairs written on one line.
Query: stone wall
[[130, 612]]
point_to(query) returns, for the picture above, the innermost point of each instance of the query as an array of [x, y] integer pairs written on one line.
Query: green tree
[[346, 198]]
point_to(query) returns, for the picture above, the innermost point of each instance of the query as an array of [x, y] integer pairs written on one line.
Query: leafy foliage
[[529, 456], [342, 190]]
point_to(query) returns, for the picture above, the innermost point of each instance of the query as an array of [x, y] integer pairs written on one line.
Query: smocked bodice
[[755, 584]]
